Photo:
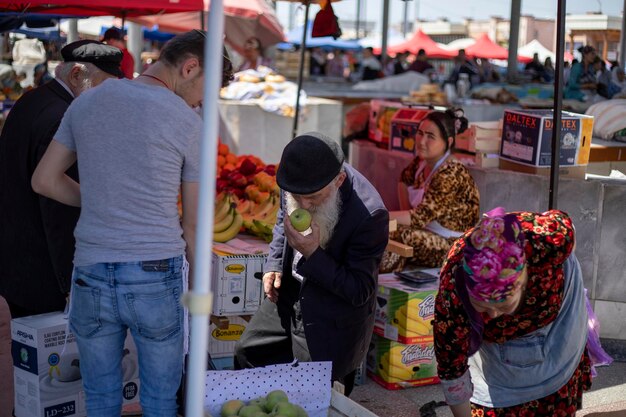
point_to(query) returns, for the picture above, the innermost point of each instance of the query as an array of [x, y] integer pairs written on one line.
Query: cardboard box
[[487, 160], [527, 137], [405, 310], [404, 125], [381, 112], [395, 365], [47, 380], [238, 284], [222, 339], [566, 171]]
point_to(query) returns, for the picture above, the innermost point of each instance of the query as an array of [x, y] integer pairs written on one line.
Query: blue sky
[[455, 10]]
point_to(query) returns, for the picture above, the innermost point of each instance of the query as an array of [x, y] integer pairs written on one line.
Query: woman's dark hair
[[450, 123]]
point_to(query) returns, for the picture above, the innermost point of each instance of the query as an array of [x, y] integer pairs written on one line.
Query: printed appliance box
[[395, 365], [237, 280], [47, 378], [404, 124], [223, 335], [404, 310], [527, 137], [381, 112]]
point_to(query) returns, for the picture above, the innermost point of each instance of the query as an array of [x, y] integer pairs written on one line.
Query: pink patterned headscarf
[[494, 256]]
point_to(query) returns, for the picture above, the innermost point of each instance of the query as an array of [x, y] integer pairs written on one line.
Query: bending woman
[[511, 321], [438, 197]]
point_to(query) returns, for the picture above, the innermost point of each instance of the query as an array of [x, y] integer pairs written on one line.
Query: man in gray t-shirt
[[137, 144]]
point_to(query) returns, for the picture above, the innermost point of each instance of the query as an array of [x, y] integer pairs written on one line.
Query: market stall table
[[248, 129]]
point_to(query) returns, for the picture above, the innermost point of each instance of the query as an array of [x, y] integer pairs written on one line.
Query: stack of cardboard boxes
[[401, 353], [237, 282], [46, 368]]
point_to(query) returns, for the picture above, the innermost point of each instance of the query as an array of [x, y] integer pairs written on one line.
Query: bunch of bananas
[[409, 322], [260, 219], [227, 221], [392, 369]]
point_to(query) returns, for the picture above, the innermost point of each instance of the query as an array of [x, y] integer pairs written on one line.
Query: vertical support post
[[558, 101], [516, 10], [296, 115]]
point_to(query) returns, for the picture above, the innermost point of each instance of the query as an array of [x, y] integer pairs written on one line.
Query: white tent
[[535, 47], [457, 44]]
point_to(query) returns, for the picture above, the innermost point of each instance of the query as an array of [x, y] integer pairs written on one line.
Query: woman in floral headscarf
[[511, 319]]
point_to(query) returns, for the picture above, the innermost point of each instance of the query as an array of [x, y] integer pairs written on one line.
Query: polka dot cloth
[[307, 384]]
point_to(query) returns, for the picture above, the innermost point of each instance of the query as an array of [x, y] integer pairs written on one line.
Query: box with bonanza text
[[395, 365], [224, 334], [46, 368], [238, 282], [405, 310], [527, 137]]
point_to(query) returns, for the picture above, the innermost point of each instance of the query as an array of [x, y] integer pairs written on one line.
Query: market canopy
[[418, 41], [294, 37], [242, 19], [486, 48], [536, 47], [125, 8]]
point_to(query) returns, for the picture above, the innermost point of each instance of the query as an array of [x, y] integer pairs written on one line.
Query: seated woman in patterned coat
[[438, 196]]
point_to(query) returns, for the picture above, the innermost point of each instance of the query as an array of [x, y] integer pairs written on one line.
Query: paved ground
[[606, 399], [608, 394]]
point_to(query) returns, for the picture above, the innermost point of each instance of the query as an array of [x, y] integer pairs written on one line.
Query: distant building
[[348, 28], [598, 30], [496, 27], [442, 30]]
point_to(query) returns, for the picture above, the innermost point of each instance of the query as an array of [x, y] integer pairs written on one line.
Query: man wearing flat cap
[[136, 151], [321, 284], [36, 233]]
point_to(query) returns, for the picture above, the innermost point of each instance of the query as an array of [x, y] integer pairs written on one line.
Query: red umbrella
[[486, 48], [122, 8], [420, 40], [242, 19]]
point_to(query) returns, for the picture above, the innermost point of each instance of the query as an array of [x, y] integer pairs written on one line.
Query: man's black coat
[[338, 294], [36, 233]]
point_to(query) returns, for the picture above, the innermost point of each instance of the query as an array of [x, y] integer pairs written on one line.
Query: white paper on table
[[306, 384]]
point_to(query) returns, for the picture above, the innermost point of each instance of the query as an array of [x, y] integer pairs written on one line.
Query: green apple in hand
[[300, 219]]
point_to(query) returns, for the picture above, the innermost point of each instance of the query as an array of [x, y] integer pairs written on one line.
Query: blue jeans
[[107, 299]]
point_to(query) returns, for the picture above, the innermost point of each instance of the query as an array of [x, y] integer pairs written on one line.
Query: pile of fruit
[[248, 196], [275, 404]]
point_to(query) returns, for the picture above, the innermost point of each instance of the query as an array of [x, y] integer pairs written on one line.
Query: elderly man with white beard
[[320, 284]]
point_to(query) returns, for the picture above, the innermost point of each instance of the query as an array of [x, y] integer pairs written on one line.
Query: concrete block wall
[[597, 208]]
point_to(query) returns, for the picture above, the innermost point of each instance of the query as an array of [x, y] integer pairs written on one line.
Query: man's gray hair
[[87, 70]]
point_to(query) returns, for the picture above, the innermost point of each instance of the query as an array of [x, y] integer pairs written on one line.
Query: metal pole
[[197, 365], [72, 30], [622, 44], [405, 25], [358, 18], [294, 132], [558, 98], [292, 11], [202, 21], [516, 10], [135, 44], [383, 47]]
